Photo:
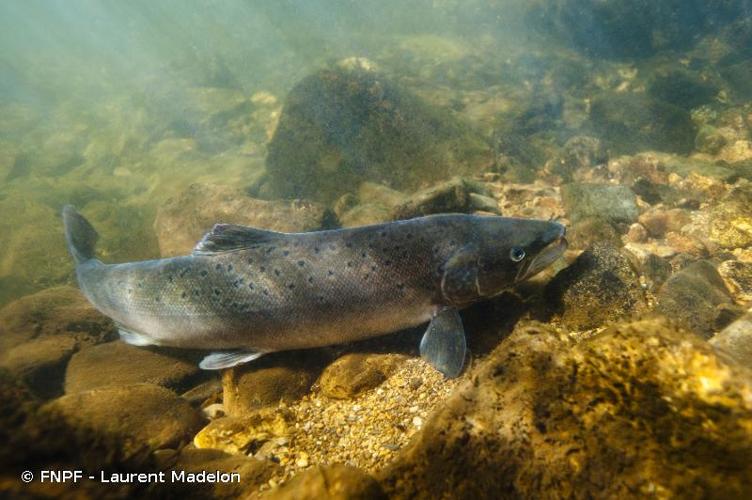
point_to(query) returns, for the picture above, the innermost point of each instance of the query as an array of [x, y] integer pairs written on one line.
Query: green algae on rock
[[346, 124], [605, 418]]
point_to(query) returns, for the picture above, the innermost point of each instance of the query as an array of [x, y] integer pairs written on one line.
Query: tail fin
[[79, 234]]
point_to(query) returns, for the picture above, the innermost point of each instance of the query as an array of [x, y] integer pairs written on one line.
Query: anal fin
[[220, 360], [443, 345], [134, 338]]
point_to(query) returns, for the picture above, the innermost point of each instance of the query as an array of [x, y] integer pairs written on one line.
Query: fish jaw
[[545, 258]]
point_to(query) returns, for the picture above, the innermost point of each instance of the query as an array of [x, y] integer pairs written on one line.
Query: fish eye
[[516, 254]]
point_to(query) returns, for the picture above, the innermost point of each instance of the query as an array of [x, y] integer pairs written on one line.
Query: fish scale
[[245, 291]]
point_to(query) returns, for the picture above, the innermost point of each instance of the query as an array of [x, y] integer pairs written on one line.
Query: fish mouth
[[545, 257]]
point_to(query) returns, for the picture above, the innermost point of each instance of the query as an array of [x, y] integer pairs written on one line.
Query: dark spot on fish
[[291, 286], [276, 271], [216, 291], [373, 268], [286, 253], [387, 262], [269, 250], [218, 267], [204, 273], [157, 300], [140, 284], [330, 272], [310, 279], [301, 263], [401, 286], [349, 263], [383, 234], [170, 278], [196, 293], [130, 291], [363, 255], [365, 276], [316, 249], [266, 292], [183, 295], [348, 244], [229, 267], [250, 286], [250, 261]]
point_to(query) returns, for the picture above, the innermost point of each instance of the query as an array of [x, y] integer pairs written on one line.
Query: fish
[[244, 292]]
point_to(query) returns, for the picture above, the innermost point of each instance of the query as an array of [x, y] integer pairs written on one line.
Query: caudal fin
[[79, 234]]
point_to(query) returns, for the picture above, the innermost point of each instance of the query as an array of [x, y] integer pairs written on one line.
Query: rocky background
[[625, 370]]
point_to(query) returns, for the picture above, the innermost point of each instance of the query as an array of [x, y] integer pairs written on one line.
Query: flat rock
[[335, 481], [693, 297], [615, 204], [54, 311], [354, 373], [245, 434], [600, 286], [118, 364], [638, 409], [41, 363], [269, 381], [457, 195], [133, 420], [184, 219]]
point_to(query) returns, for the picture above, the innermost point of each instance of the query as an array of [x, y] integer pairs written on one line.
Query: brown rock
[[738, 278], [337, 481], [450, 196], [183, 220], [601, 285], [693, 297], [354, 373], [736, 340], [132, 420], [270, 380], [60, 310], [40, 363], [117, 363], [642, 409], [244, 434], [637, 233], [253, 473], [659, 221]]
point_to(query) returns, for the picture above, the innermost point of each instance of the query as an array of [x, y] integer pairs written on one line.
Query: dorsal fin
[[230, 237]]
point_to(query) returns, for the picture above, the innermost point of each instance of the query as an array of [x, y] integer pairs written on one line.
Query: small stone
[[612, 203], [213, 411], [738, 278], [637, 233], [417, 422]]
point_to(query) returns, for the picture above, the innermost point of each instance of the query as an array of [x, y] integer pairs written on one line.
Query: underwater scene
[[343, 249]]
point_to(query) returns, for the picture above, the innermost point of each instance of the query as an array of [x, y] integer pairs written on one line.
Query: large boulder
[[641, 409], [349, 123], [184, 219], [111, 364], [336, 481]]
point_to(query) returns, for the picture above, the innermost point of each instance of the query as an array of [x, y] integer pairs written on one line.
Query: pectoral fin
[[220, 360], [443, 344], [134, 338]]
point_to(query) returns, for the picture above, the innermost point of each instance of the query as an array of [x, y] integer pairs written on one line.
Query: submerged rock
[[41, 363], [731, 219], [253, 474], [245, 434], [112, 364], [275, 378], [612, 203], [55, 311], [183, 220], [736, 340], [454, 196], [335, 481], [641, 409], [134, 419], [693, 297], [599, 286], [738, 278], [354, 373], [344, 125]]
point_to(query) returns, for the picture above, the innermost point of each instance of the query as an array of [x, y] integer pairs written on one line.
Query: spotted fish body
[[246, 291]]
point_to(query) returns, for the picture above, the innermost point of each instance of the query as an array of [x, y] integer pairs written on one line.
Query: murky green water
[[628, 122]]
